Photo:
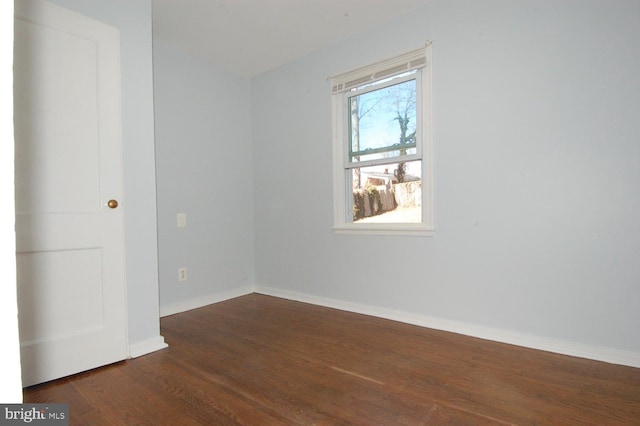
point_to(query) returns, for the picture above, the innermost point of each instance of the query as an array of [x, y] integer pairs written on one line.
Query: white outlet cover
[[182, 274]]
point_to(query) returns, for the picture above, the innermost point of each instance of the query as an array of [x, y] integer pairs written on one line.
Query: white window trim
[[344, 82]]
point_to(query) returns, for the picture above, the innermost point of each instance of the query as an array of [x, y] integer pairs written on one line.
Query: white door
[[70, 251]]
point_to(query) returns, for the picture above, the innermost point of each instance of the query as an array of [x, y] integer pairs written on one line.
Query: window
[[382, 147]]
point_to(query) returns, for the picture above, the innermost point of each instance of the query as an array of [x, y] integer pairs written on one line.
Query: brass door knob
[[112, 204]]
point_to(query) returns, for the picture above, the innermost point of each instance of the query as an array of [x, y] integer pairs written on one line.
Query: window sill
[[384, 229]]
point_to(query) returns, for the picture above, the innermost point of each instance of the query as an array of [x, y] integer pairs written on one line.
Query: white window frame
[[343, 87]]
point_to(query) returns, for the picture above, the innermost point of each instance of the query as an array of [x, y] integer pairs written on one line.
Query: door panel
[[73, 127], [70, 251], [40, 268]]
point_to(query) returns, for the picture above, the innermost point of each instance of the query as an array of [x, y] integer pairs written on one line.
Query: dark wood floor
[[259, 360]]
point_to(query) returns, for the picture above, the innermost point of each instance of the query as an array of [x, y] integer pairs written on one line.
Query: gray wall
[[133, 19], [204, 163], [537, 174]]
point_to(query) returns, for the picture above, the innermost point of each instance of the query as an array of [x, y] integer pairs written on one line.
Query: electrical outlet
[[182, 273]]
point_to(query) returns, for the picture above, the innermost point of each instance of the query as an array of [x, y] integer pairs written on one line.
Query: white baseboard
[[597, 353], [147, 346], [209, 299]]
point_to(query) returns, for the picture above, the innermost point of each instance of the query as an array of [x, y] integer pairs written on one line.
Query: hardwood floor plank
[[263, 360]]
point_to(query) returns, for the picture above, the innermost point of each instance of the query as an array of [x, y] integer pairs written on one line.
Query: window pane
[[383, 121], [390, 193]]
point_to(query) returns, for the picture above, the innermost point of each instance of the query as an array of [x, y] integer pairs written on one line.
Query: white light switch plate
[[182, 220]]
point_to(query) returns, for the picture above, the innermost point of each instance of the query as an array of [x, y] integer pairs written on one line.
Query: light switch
[[182, 220]]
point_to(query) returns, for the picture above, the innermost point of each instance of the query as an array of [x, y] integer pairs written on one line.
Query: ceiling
[[249, 37]]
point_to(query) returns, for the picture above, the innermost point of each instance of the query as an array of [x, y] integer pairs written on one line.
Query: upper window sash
[[413, 75], [349, 161]]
